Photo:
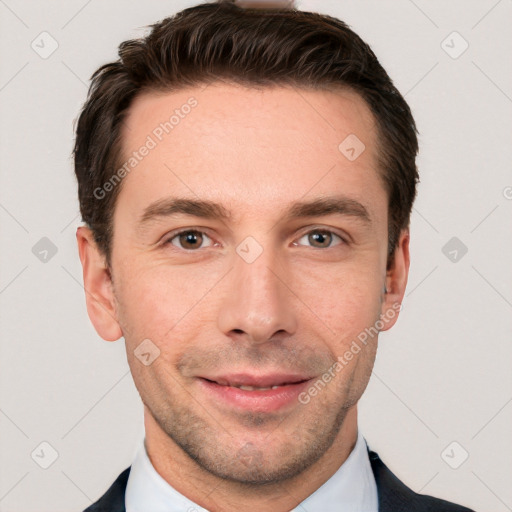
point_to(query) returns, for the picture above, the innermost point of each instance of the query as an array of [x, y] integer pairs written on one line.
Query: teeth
[[252, 388]]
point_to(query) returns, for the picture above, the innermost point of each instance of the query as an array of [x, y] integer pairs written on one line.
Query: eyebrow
[[333, 205]]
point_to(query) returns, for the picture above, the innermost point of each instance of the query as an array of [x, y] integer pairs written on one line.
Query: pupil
[[190, 238], [319, 237]]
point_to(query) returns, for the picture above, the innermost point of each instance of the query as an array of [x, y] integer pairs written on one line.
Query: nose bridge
[[257, 302]]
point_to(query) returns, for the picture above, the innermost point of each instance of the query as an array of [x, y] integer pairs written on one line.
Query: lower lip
[[259, 401]]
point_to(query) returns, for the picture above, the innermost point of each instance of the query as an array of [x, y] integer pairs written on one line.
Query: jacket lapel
[[113, 499], [394, 496]]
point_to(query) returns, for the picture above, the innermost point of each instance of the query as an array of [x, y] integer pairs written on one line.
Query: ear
[[99, 294], [397, 274]]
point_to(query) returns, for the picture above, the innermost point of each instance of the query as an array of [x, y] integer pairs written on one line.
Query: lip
[[261, 381], [269, 400]]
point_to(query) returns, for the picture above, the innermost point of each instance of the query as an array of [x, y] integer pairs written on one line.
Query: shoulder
[[113, 499], [395, 496]]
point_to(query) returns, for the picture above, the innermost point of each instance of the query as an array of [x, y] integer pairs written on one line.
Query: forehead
[[234, 144], [223, 108]]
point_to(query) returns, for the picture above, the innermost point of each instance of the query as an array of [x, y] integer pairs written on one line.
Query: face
[[249, 250]]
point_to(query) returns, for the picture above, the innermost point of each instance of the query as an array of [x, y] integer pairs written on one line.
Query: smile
[[259, 394]]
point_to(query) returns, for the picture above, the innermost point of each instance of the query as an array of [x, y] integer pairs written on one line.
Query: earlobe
[[396, 281], [99, 294]]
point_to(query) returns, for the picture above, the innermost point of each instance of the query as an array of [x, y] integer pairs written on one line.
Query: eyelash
[[172, 236]]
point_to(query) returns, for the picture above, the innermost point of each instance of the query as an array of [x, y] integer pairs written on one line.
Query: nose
[[258, 305]]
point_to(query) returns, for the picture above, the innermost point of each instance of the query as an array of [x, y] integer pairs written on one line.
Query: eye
[[321, 238], [189, 239], [192, 239]]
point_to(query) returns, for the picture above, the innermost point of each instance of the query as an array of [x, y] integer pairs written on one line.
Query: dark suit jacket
[[394, 496]]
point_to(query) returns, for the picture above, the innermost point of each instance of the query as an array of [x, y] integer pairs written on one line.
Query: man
[[246, 177]]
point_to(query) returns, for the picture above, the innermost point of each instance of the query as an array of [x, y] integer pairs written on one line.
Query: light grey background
[[442, 374]]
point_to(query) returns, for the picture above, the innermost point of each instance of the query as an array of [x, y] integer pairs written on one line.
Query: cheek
[[156, 301], [344, 299]]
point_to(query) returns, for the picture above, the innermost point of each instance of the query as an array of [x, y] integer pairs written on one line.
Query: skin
[[297, 307]]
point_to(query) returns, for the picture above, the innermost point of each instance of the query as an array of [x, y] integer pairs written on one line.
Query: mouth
[[258, 393]]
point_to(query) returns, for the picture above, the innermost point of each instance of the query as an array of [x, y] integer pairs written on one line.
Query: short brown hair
[[248, 46]]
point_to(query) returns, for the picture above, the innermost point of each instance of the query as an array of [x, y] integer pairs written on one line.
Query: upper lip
[[262, 381]]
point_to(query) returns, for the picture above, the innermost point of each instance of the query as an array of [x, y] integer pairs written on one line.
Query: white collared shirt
[[351, 488]]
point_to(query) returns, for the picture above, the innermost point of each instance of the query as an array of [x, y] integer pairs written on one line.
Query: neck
[[219, 495]]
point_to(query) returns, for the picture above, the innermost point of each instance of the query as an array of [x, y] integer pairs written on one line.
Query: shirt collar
[[352, 487]]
